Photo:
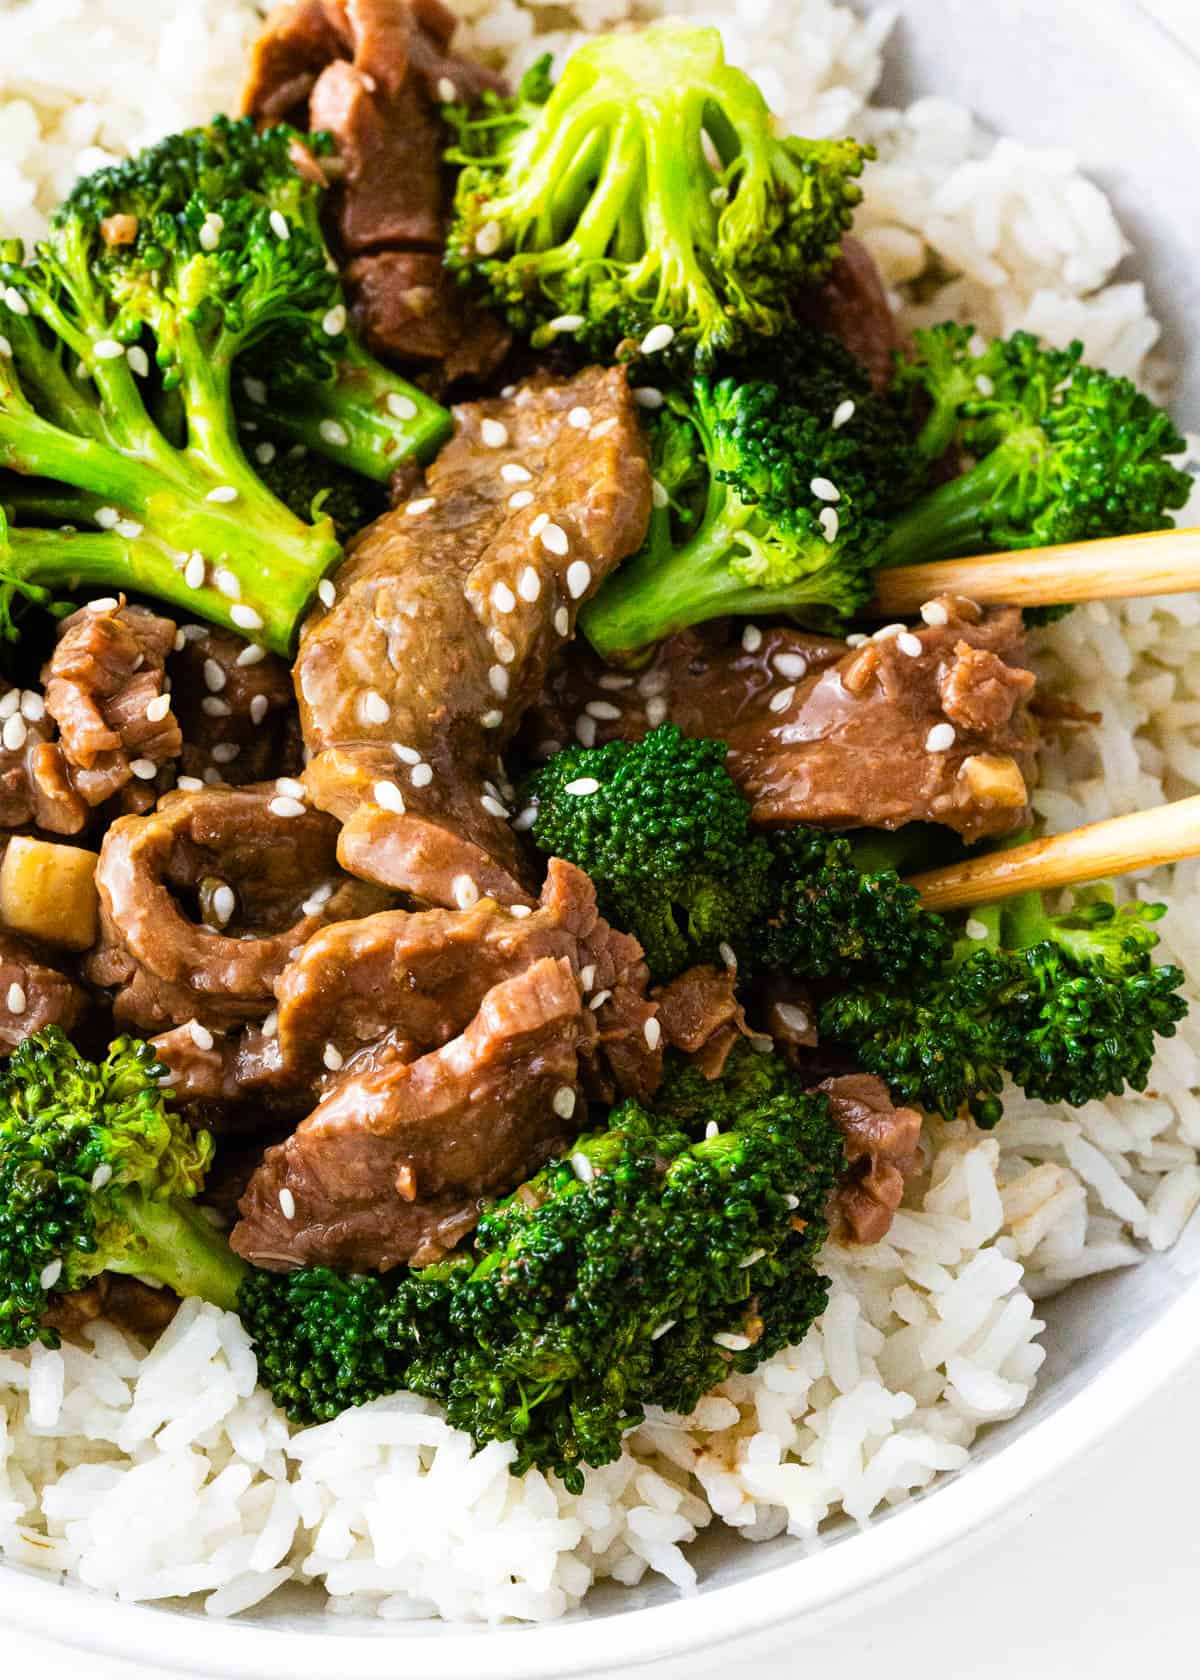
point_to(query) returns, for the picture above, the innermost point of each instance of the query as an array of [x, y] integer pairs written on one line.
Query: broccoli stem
[[182, 1250], [365, 418], [952, 520]]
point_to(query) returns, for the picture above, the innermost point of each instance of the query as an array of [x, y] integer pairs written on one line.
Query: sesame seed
[[843, 412], [227, 583], [520, 499], [375, 708], [827, 519], [793, 665], [604, 710], [587, 976], [144, 769], [524, 820], [332, 1057], [326, 593], [498, 680], [554, 540], [465, 891], [50, 1274], [15, 301], [494, 807], [585, 731], [581, 1166], [10, 703], [189, 784], [422, 775], [652, 1033], [406, 755], [984, 386], [108, 350], [283, 807], [529, 584], [107, 518], [128, 528], [614, 680], [494, 433], [752, 638], [727, 954], [279, 226], [940, 738], [332, 431], [539, 524], [222, 493], [934, 613], [600, 999], [201, 1037], [565, 324], [258, 708], [794, 1018], [825, 490], [6, 348], [224, 904], [213, 706], [520, 911], [564, 1102], [647, 396], [887, 632], [287, 1203], [909, 644], [101, 1176], [225, 752], [661, 1330], [33, 707], [138, 360], [214, 676], [211, 230], [857, 640], [421, 505], [245, 617], [975, 929], [492, 719], [658, 494], [388, 795], [447, 92], [752, 1258], [290, 786], [583, 784], [580, 418], [562, 621], [729, 1339], [505, 649], [579, 578], [103, 604], [503, 598], [656, 711], [14, 733], [255, 389], [657, 339], [193, 572], [334, 322], [16, 999], [782, 699]]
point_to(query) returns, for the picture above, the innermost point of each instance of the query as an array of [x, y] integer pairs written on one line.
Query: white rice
[[162, 1473]]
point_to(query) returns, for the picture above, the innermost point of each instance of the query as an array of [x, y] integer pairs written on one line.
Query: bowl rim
[[819, 1587]]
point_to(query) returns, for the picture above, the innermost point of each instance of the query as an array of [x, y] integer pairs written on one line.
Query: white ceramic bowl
[[1099, 77]]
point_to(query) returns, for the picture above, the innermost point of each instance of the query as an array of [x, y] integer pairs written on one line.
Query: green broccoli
[[646, 189], [1061, 452], [97, 1174], [119, 345], [1069, 1006], [765, 503], [312, 485]]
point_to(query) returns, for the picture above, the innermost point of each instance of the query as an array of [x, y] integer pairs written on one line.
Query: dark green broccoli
[[1069, 1006], [1061, 452], [646, 189], [664, 833], [766, 503], [312, 485], [119, 348], [97, 1174]]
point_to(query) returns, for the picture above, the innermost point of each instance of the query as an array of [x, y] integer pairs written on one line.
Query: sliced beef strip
[[853, 306], [448, 613], [825, 733], [125, 1301], [883, 1149], [163, 965], [406, 312], [391, 1166], [33, 993], [236, 708], [700, 1015], [36, 787]]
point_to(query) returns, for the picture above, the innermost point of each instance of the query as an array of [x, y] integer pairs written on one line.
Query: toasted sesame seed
[[538, 524], [189, 784], [14, 733], [224, 904], [421, 505], [50, 1274], [144, 769], [505, 648], [285, 807], [782, 699], [421, 775], [334, 322], [326, 593], [213, 706], [498, 680], [503, 598], [465, 891], [227, 583], [512, 472], [375, 708], [108, 350], [752, 638], [529, 584], [587, 977], [935, 614], [825, 490], [225, 752], [492, 719], [585, 731], [201, 1037], [652, 1032], [600, 999], [603, 710], [579, 578], [388, 795], [647, 396], [564, 1102], [287, 1202], [827, 519], [843, 412], [727, 954], [332, 431], [16, 999], [214, 676], [193, 572], [107, 518], [494, 433], [614, 680], [446, 90], [33, 707], [580, 419], [554, 539], [793, 665], [583, 784], [222, 493], [656, 710], [657, 339], [975, 929], [259, 706], [793, 1017], [909, 644], [279, 226], [940, 738], [565, 324], [562, 621]]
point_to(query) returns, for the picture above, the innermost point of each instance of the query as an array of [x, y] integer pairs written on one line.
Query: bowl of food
[[600, 767]]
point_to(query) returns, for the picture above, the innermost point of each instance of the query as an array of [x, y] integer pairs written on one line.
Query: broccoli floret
[[117, 378], [765, 506], [1068, 1005], [312, 485], [1061, 452], [647, 188], [664, 833], [97, 1174]]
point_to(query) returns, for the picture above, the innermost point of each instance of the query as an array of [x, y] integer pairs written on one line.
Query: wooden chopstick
[[1111, 568], [1113, 847]]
